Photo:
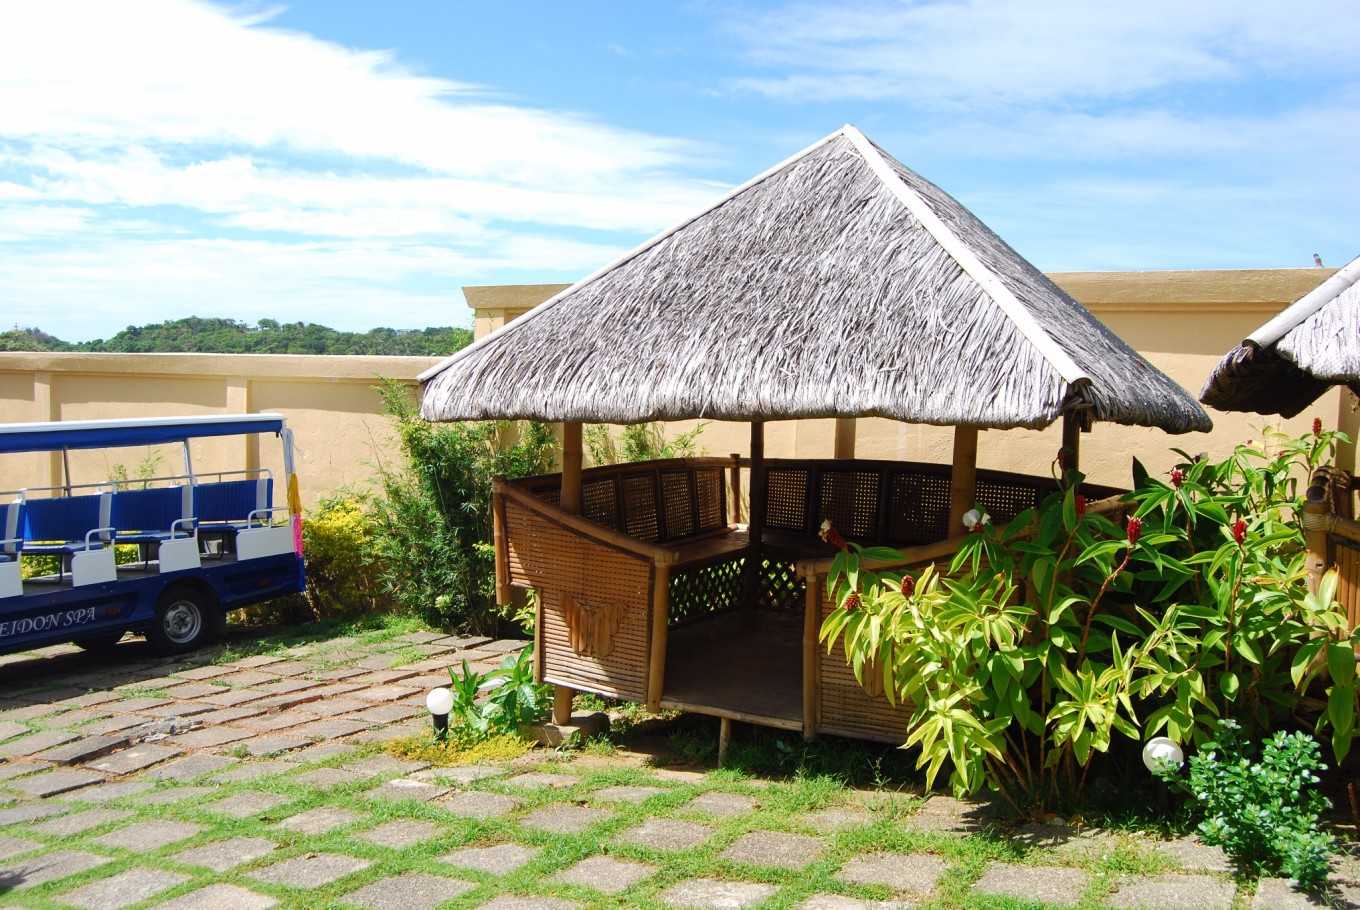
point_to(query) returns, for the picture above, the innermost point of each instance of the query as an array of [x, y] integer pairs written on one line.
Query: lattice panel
[[712, 498], [918, 508], [706, 590], [679, 506], [780, 587], [786, 499], [572, 575], [1346, 556], [600, 502], [640, 519], [846, 709], [1003, 501], [850, 500]]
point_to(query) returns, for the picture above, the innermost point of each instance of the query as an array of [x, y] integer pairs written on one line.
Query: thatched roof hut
[[1287, 363], [837, 283]]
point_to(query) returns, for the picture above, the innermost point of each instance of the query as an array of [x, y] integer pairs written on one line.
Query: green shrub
[[432, 537], [342, 576], [494, 704], [1265, 814], [639, 442]]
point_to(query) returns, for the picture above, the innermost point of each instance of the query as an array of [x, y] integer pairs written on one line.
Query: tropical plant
[[639, 442], [342, 569], [1265, 813], [497, 703], [1048, 638]]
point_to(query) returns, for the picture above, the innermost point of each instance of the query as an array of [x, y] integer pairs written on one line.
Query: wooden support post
[[962, 478], [661, 609], [845, 438], [1348, 422], [724, 739], [751, 583], [1317, 508], [812, 615], [1071, 442], [501, 546], [736, 488], [570, 500], [562, 696]]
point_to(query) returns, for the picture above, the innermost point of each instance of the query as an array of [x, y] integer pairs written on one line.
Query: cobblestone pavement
[[223, 781]]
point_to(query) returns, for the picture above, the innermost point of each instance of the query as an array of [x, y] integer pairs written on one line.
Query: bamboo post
[[845, 438], [963, 477], [811, 689], [756, 520], [501, 544], [1071, 442], [724, 739], [1317, 507], [735, 484], [570, 500], [656, 671]]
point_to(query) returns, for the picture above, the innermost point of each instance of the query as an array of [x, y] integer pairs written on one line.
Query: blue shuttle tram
[[205, 544]]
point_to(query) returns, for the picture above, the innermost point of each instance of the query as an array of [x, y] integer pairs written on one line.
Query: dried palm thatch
[[1287, 363], [838, 283]]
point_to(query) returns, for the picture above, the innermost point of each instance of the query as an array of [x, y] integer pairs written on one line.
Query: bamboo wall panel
[[846, 709], [595, 605], [1347, 560]]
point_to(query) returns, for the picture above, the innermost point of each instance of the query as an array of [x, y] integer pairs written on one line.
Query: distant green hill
[[227, 336]]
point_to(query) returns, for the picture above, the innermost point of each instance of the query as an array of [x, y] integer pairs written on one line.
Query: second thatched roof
[[1287, 363], [838, 283]]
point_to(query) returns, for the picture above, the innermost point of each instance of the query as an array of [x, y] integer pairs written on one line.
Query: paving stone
[[14, 846], [386, 693], [36, 742], [321, 820], [721, 804], [1056, 885], [332, 727], [13, 769], [326, 778], [169, 795], [340, 673], [123, 889], [402, 788], [409, 891], [466, 774], [840, 902], [914, 873], [247, 678], [228, 715], [527, 902], [191, 766], [220, 897], [390, 713], [102, 793], [58, 780], [666, 834], [208, 737], [80, 822], [38, 870], [86, 747], [256, 660], [560, 818], [1192, 853], [88, 700], [228, 698], [624, 794], [605, 873], [114, 724], [322, 752], [255, 770], [276, 721], [144, 836], [1279, 894], [138, 705], [1064, 839], [385, 764], [192, 690], [538, 780], [211, 671], [836, 818], [311, 870], [774, 848], [272, 744], [222, 855], [400, 834], [712, 894], [247, 804], [1173, 892], [500, 859], [27, 812], [135, 758]]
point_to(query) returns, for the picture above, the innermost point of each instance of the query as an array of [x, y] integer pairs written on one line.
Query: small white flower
[[975, 518]]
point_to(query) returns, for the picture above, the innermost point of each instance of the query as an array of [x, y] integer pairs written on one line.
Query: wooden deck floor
[[746, 665]]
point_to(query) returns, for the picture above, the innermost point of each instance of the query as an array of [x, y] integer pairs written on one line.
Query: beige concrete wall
[[330, 401], [1181, 321]]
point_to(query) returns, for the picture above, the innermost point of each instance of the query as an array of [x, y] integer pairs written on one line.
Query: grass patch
[[446, 754]]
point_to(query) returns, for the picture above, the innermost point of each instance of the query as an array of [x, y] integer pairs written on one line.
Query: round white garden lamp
[[440, 703], [1161, 754]]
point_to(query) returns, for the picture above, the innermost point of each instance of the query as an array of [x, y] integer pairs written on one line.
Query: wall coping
[[341, 367]]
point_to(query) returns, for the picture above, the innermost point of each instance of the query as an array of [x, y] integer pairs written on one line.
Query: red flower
[[1177, 477], [1134, 529], [1317, 426], [1080, 502], [851, 602], [831, 535], [908, 585], [1239, 530]]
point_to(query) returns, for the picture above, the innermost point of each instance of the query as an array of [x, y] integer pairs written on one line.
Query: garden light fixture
[[1162, 754], [440, 703]]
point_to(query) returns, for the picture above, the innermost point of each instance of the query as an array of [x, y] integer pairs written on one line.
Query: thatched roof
[[1287, 363], [838, 283]]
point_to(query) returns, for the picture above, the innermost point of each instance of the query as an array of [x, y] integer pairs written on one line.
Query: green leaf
[[1229, 684], [1341, 663]]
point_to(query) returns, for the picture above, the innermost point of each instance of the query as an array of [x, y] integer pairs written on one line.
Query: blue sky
[[356, 163]]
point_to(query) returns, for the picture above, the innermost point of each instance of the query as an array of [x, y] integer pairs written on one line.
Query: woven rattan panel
[[705, 590], [846, 709], [1006, 499], [600, 502], [1346, 556], [678, 514], [582, 582], [786, 499], [780, 587], [640, 519], [850, 500], [712, 499], [918, 508]]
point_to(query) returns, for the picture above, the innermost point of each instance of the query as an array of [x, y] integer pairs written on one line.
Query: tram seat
[[64, 525], [230, 506], [153, 516]]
